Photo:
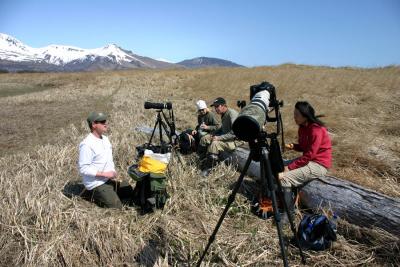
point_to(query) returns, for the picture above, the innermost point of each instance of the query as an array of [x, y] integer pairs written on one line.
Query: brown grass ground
[[43, 122]]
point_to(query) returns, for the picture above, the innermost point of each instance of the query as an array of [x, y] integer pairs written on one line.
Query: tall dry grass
[[40, 225]]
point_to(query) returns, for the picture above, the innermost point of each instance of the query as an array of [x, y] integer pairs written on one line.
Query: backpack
[[316, 232], [187, 142], [150, 191]]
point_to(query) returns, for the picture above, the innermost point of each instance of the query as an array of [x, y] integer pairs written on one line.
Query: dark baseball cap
[[218, 101], [96, 116]]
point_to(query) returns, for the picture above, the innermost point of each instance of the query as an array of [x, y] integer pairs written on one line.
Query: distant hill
[[204, 62]]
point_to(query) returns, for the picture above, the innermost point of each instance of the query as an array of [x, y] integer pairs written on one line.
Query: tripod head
[[270, 142]]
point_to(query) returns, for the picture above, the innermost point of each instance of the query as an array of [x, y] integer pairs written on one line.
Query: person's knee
[[106, 197], [231, 146], [285, 183], [214, 147], [113, 203], [205, 140]]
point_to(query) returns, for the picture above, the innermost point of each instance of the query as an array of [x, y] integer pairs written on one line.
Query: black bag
[[146, 197], [187, 142], [316, 232], [150, 191]]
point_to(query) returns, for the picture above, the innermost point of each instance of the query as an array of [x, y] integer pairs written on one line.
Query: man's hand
[[194, 132], [204, 126], [280, 175], [110, 174]]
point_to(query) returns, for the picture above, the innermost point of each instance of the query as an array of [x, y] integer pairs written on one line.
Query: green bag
[[157, 182], [150, 191]]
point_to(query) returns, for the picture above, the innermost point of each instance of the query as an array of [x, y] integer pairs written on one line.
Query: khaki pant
[[299, 176], [215, 147], [109, 194]]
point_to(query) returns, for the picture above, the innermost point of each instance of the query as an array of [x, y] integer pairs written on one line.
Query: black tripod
[[163, 126], [259, 151]]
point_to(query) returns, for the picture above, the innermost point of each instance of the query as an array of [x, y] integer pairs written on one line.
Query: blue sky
[[364, 33]]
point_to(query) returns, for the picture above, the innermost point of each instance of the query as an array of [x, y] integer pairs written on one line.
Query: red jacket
[[316, 146]]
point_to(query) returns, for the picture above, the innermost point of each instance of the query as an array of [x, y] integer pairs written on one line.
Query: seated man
[[96, 166], [222, 139]]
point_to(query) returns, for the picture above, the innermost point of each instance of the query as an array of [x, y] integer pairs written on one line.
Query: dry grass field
[[43, 121]]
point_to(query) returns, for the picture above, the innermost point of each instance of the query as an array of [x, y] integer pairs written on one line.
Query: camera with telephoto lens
[[150, 105], [252, 117]]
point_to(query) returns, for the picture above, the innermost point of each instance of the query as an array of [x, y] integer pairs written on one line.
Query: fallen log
[[354, 203]]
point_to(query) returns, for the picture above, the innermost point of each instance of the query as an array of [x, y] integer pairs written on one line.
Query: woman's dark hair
[[308, 112]]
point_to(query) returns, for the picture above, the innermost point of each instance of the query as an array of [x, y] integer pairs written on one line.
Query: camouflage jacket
[[209, 120], [225, 132]]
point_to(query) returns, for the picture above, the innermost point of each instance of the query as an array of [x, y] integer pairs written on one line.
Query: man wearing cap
[[96, 165], [206, 121], [223, 138]]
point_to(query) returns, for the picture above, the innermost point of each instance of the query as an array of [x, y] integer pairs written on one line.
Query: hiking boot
[[208, 164], [201, 152], [211, 161]]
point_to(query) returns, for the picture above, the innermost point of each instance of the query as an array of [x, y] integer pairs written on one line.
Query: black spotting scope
[[150, 105]]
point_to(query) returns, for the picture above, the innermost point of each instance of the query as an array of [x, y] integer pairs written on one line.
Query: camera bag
[[150, 190]]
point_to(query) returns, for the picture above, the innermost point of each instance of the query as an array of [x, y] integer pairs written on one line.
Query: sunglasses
[[101, 122]]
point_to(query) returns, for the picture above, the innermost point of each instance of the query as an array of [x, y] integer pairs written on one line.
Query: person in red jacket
[[315, 143]]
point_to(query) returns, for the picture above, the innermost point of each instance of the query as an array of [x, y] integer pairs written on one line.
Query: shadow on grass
[[75, 189], [154, 251]]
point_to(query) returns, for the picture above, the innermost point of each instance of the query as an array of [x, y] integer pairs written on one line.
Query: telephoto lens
[[150, 105], [252, 117]]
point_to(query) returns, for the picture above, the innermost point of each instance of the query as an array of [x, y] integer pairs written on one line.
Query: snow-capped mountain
[[16, 56]]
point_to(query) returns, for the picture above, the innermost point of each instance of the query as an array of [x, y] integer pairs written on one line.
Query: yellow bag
[[154, 162]]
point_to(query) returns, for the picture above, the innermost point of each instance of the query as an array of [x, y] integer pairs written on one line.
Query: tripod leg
[[153, 132], [286, 206], [160, 127], [266, 173], [231, 198], [176, 154]]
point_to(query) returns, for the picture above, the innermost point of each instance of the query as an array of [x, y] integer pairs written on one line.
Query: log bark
[[354, 203]]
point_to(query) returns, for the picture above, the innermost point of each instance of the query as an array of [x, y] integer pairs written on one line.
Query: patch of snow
[[164, 60]]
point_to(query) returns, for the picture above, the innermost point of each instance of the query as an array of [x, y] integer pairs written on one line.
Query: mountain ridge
[[15, 56]]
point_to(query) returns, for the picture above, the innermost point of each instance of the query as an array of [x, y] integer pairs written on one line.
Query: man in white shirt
[[96, 165]]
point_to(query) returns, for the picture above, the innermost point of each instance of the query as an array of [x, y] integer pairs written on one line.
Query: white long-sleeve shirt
[[95, 155]]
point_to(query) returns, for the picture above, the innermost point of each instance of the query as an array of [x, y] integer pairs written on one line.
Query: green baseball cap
[[96, 116]]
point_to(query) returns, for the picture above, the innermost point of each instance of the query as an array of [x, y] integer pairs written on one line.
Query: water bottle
[[334, 222]]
